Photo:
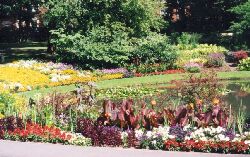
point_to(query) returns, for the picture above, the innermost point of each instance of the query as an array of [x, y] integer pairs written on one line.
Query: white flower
[[203, 139], [187, 138], [139, 134], [247, 142], [153, 142], [124, 135], [54, 79], [185, 128], [236, 139], [149, 134], [18, 85], [171, 136], [29, 88]]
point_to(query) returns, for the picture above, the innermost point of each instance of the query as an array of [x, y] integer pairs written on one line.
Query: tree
[[21, 12], [105, 33], [241, 26], [141, 16], [202, 16]]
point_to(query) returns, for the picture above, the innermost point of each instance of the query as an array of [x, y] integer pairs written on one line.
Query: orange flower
[[191, 106], [107, 114], [153, 102], [199, 102], [216, 101]]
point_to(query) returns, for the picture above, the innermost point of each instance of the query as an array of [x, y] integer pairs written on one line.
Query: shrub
[[239, 55], [154, 49], [100, 48], [244, 64], [215, 60], [111, 47], [192, 67], [189, 38], [196, 53], [149, 68], [110, 136]]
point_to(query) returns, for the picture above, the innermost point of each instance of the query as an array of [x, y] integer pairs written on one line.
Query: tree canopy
[[140, 16], [241, 26]]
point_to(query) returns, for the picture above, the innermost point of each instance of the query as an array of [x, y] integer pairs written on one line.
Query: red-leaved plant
[[239, 55]]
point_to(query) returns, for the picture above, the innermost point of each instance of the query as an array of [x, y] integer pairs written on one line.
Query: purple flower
[[192, 65], [114, 71], [216, 55], [178, 132], [230, 133]]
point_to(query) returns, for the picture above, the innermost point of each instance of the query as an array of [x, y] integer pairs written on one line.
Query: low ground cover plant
[[244, 64]]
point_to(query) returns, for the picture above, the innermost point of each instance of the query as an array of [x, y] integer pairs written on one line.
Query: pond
[[239, 95]]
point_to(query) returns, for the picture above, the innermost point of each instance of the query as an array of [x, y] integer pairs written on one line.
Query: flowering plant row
[[27, 75], [170, 138], [178, 71], [38, 133], [176, 138]]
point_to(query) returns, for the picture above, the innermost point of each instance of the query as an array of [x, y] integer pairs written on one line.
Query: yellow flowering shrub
[[198, 53]]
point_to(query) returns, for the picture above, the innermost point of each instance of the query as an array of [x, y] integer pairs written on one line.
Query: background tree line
[[115, 31]]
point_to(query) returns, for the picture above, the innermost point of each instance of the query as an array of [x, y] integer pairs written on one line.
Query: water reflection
[[240, 93]]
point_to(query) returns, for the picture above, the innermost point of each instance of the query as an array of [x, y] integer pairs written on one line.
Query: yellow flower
[[153, 102], [191, 106], [1, 116], [216, 101]]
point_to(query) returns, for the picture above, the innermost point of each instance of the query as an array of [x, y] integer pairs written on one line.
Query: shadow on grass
[[24, 51]]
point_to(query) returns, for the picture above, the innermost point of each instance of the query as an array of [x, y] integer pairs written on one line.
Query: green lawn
[[147, 80]]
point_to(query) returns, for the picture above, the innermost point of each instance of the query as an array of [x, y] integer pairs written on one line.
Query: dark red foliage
[[124, 116], [183, 114], [88, 129], [110, 136], [99, 134], [239, 55], [10, 124], [131, 138]]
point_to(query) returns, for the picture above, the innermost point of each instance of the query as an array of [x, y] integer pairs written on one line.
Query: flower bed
[[14, 129], [178, 71], [208, 139], [201, 121], [29, 75]]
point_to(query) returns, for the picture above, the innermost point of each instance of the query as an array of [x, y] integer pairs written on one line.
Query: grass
[[137, 81], [25, 51]]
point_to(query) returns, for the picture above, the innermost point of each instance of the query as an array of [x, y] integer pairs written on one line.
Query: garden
[[116, 79]]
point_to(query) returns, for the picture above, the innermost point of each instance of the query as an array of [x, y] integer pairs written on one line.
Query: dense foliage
[[109, 37], [241, 26], [244, 64]]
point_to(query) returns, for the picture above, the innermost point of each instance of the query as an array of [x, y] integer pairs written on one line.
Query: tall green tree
[[20, 10], [107, 33], [203, 16], [141, 16], [241, 26]]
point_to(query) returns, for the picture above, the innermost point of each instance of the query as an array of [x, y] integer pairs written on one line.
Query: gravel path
[[27, 149]]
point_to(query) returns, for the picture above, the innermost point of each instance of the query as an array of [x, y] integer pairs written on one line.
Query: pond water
[[239, 96]]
